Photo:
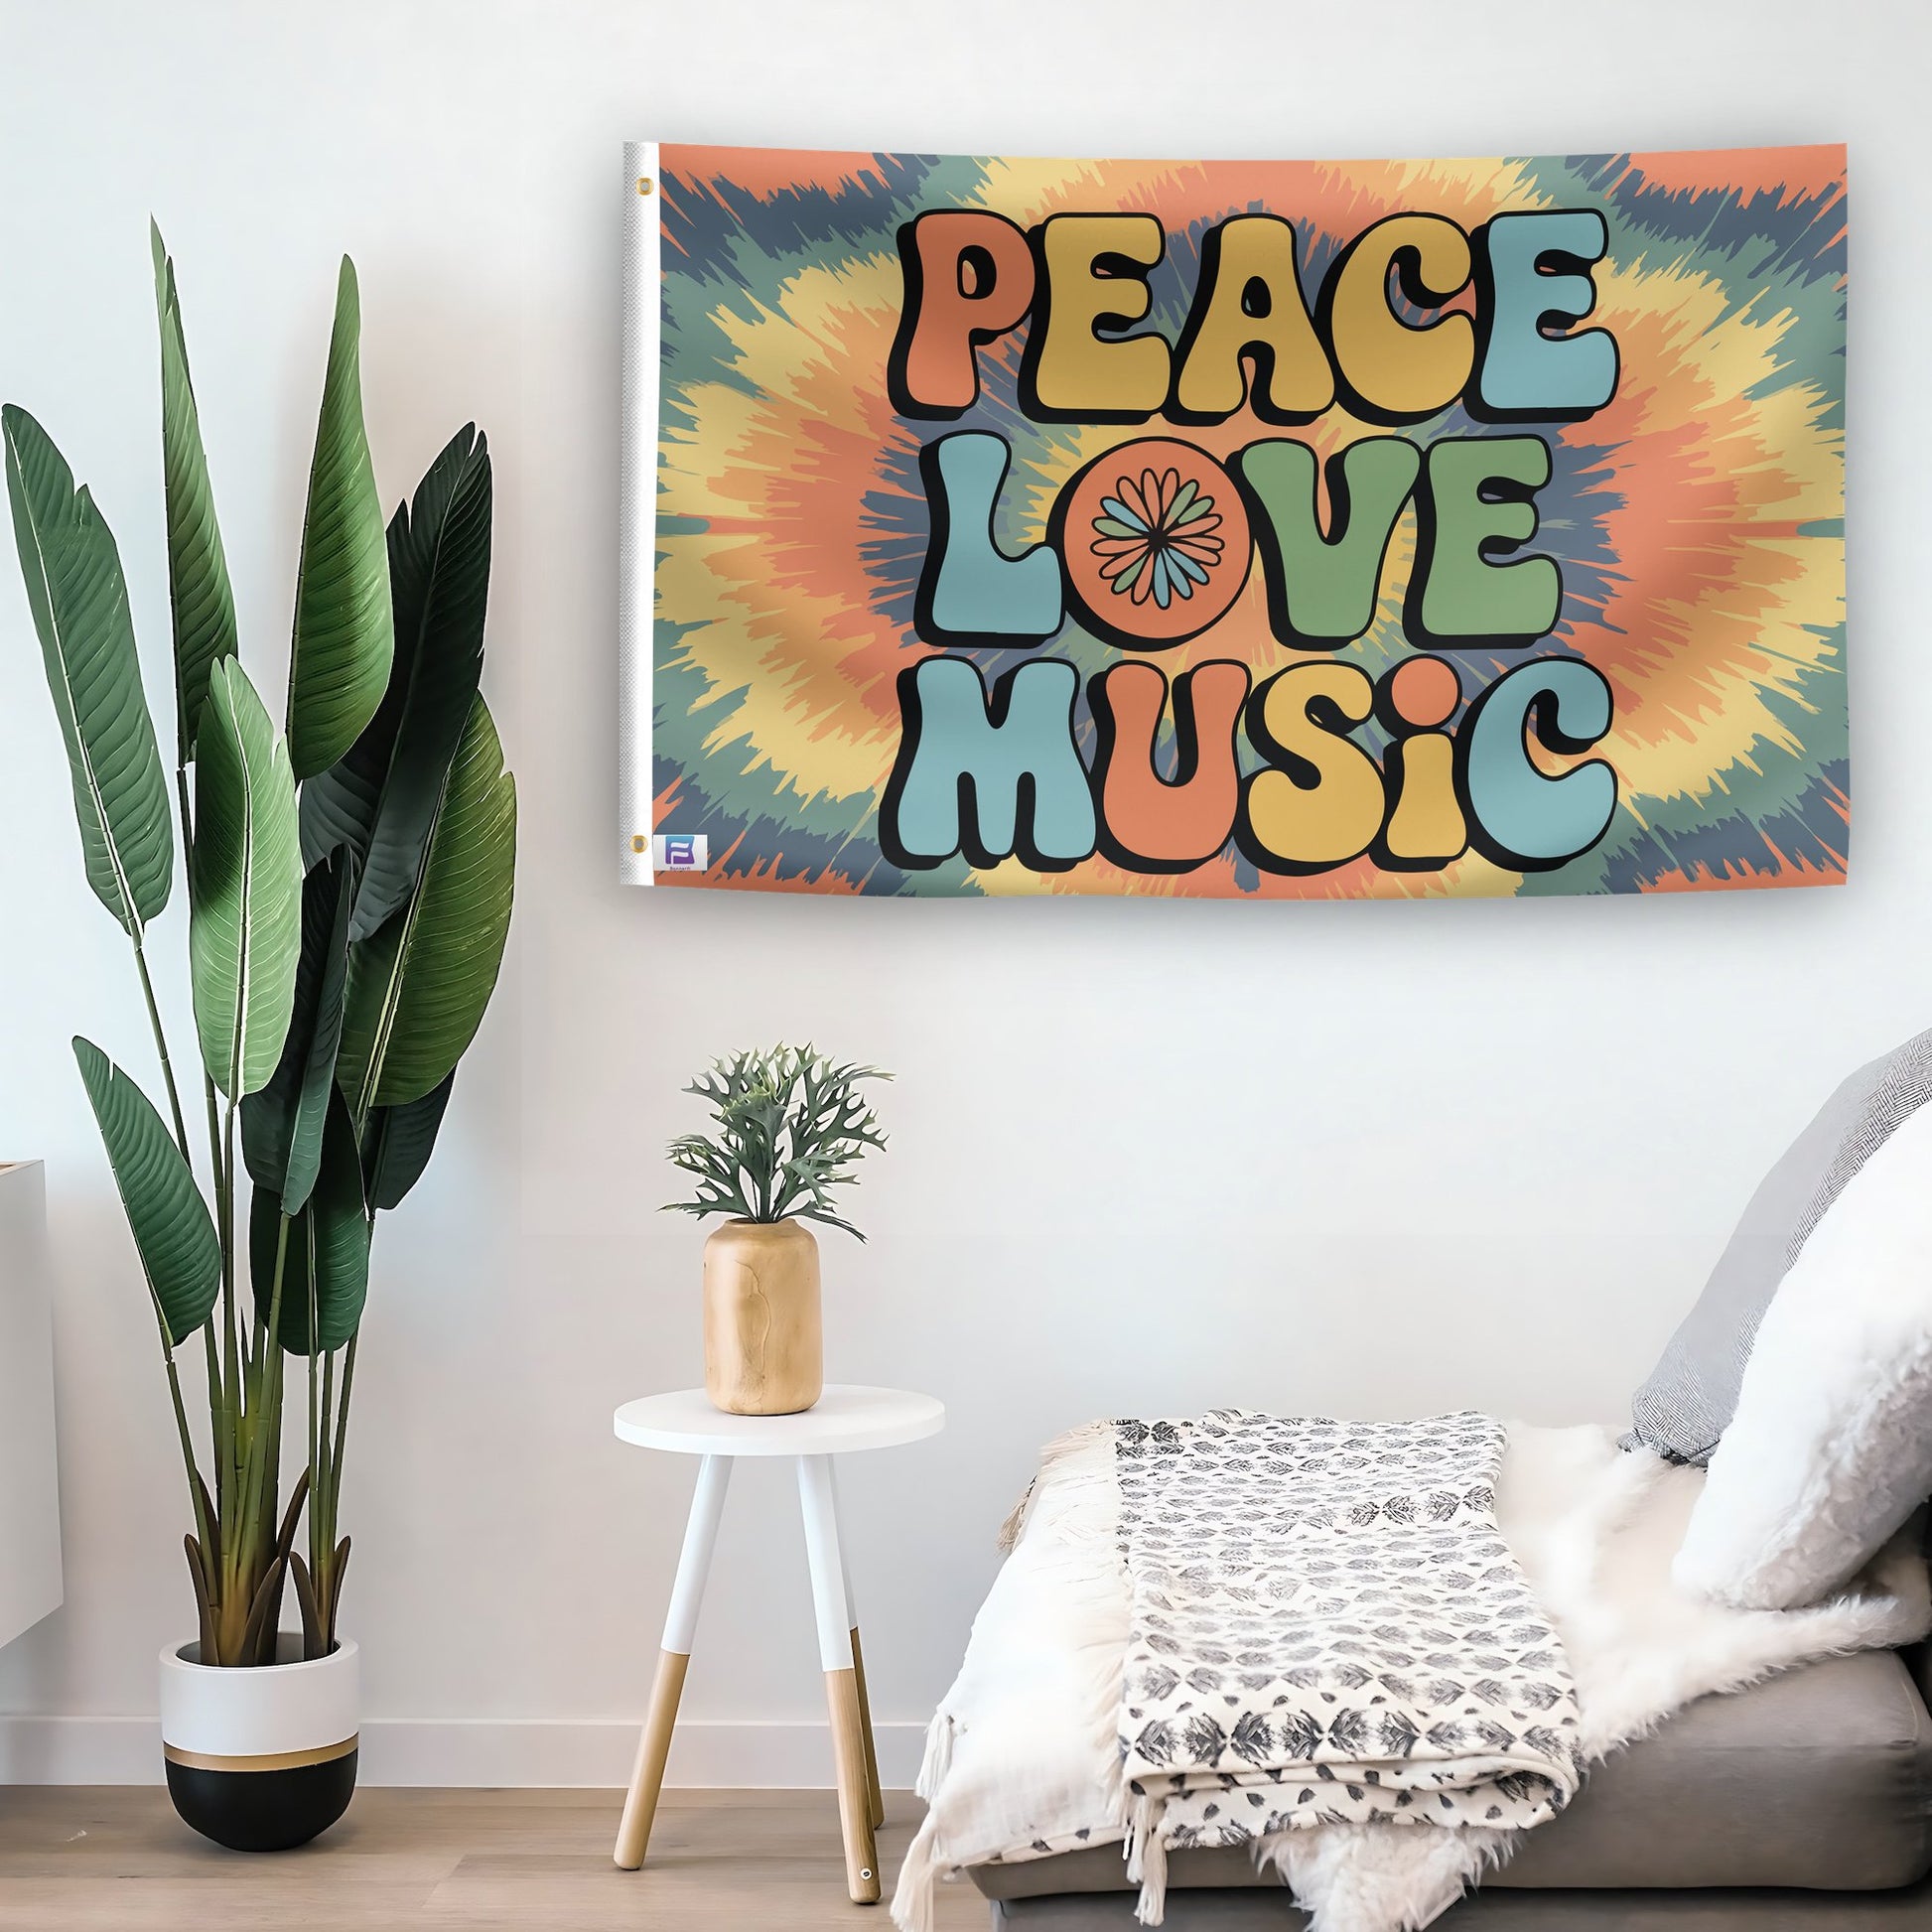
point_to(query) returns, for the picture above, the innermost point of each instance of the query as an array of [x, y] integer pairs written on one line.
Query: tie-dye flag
[[1234, 529]]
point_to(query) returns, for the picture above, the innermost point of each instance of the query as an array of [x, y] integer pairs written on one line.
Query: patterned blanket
[[1023, 1754], [1326, 1626]]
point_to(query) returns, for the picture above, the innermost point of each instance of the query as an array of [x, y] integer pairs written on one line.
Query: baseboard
[[481, 1752]]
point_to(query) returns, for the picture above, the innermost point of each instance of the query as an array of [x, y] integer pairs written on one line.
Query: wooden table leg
[[877, 1796], [680, 1626], [820, 1511]]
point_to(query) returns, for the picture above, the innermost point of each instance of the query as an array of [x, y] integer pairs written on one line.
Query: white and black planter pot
[[260, 1760]]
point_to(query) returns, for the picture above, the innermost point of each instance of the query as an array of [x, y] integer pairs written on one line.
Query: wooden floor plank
[[116, 1859]]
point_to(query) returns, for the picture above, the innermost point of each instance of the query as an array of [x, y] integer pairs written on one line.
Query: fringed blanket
[[1325, 1626], [1023, 1757]]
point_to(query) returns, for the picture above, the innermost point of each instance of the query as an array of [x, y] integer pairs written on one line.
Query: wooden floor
[[116, 1859]]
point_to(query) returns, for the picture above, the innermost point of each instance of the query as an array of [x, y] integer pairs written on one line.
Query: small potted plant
[[788, 1127], [348, 894]]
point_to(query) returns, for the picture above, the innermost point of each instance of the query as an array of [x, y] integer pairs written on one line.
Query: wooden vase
[[763, 1345]]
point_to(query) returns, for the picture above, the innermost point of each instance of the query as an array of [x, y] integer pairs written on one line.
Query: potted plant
[[788, 1127], [349, 897]]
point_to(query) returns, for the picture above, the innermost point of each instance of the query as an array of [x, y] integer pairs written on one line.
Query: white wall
[[1148, 1157]]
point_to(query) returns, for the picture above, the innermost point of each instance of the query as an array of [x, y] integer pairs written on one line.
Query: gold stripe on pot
[[267, 1761]]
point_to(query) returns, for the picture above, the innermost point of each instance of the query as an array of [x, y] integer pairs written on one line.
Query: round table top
[[845, 1418]]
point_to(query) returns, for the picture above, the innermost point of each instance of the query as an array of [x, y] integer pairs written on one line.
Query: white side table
[[844, 1420]]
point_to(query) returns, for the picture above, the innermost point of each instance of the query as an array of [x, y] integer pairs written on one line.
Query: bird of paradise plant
[[350, 881]]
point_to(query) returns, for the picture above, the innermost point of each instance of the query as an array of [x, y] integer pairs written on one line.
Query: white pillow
[[1829, 1451]]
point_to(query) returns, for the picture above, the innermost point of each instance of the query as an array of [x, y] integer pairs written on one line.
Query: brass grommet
[[643, 184]]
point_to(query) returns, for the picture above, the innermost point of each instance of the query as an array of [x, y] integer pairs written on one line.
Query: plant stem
[[230, 1348], [235, 1417], [187, 814], [324, 1527], [220, 1395], [242, 1573], [191, 1467], [316, 1432], [161, 1047], [321, 1519], [201, 1525], [266, 1412], [341, 1418]]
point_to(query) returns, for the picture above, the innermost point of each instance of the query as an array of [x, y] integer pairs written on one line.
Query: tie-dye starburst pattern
[[1696, 519]]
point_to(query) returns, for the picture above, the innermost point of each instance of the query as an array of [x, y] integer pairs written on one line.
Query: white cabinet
[[30, 1512]]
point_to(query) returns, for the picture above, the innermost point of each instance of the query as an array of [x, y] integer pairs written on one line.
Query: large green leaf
[[398, 1142], [78, 599], [344, 632], [380, 797], [198, 570], [173, 1232], [244, 933], [325, 1264], [281, 1126], [418, 989]]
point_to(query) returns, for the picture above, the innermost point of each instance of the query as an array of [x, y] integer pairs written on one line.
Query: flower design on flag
[[1157, 537]]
